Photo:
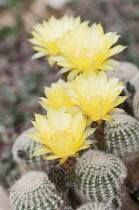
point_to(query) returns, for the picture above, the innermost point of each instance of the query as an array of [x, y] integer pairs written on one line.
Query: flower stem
[[99, 134]]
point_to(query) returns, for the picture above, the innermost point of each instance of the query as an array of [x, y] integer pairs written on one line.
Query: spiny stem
[[69, 166]]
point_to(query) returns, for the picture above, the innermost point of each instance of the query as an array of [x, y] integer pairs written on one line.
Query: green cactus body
[[34, 191], [100, 175], [136, 105], [94, 206], [122, 135], [22, 153]]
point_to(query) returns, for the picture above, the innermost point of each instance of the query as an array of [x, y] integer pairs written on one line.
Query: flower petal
[[108, 118], [41, 151], [121, 100], [51, 157]]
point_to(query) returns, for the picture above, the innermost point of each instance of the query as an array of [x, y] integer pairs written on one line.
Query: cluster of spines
[[95, 206], [100, 174], [122, 135], [136, 105], [36, 192]]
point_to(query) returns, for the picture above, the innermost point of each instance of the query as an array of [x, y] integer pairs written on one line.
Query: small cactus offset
[[35, 191], [94, 206], [22, 153], [100, 175], [122, 135], [136, 105]]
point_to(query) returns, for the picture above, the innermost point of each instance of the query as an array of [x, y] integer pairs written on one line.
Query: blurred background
[[22, 80]]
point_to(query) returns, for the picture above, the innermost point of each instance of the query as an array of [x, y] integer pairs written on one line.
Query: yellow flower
[[96, 95], [56, 96], [62, 134], [45, 35], [86, 49]]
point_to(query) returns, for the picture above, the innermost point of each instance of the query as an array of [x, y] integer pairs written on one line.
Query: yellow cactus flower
[[45, 35], [56, 96], [96, 95], [87, 49], [62, 134]]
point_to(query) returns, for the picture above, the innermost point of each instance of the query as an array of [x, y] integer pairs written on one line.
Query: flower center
[[100, 95], [62, 131], [86, 52]]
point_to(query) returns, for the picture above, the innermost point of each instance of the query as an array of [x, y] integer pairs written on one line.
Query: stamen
[[99, 94], [61, 130]]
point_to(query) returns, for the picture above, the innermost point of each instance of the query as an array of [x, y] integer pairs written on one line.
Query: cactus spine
[[136, 105], [22, 153], [94, 206], [101, 175], [34, 191], [122, 135]]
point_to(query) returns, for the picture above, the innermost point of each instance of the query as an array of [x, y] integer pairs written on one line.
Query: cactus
[[132, 165], [136, 105], [22, 153], [129, 74], [134, 81], [57, 176], [125, 71], [130, 89], [122, 135], [95, 206], [36, 192], [100, 175]]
